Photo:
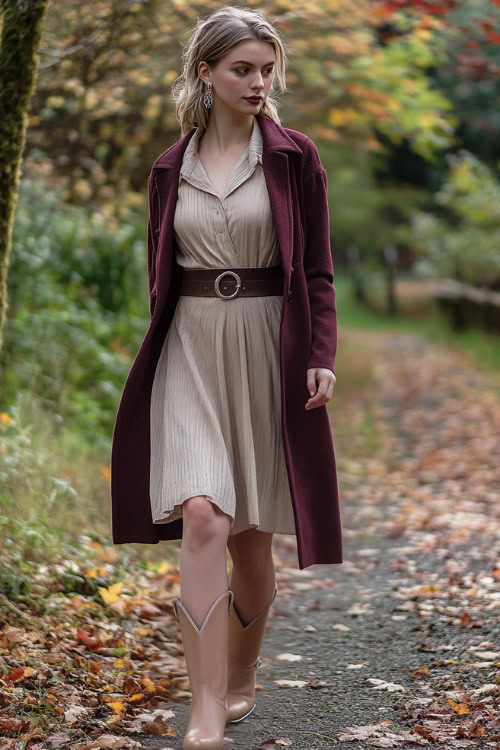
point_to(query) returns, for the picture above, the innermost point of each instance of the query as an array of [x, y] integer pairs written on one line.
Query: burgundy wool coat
[[297, 187]]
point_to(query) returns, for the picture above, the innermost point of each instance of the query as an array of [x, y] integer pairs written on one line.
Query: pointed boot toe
[[244, 647]]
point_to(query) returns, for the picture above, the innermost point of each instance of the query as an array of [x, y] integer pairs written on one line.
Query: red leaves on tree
[[428, 6]]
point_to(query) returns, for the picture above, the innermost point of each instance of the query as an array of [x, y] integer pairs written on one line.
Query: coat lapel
[[276, 145]]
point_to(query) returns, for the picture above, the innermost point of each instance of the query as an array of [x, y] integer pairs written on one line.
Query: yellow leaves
[[18, 675], [375, 109], [169, 76], [29, 672], [136, 697], [423, 34], [5, 419], [55, 101], [425, 589], [105, 471], [164, 567], [327, 134], [139, 77], [91, 99], [105, 554], [97, 573], [459, 708], [360, 91], [155, 100], [142, 606], [118, 707], [342, 44], [342, 117], [119, 703], [145, 631], [153, 107], [82, 189], [111, 594], [420, 670], [148, 684], [427, 120], [393, 103], [315, 7]]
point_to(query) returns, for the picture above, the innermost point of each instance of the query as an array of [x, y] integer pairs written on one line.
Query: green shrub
[[462, 239], [76, 311]]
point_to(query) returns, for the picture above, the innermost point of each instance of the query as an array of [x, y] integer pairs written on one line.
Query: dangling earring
[[208, 96]]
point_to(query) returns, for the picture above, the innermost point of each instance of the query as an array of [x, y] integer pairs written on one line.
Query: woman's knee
[[204, 521]]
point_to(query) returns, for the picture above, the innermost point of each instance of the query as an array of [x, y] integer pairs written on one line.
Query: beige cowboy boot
[[205, 652], [243, 659]]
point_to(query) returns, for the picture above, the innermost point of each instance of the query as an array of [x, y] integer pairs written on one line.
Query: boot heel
[[243, 659], [205, 652]]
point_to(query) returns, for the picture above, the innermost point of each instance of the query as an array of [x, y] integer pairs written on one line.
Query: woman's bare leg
[[203, 569], [253, 575]]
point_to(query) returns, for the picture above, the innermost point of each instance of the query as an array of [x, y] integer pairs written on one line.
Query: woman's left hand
[[326, 381]]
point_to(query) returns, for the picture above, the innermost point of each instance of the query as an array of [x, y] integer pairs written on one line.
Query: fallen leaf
[[288, 657]]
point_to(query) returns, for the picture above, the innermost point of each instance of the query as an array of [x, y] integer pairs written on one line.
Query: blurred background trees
[[401, 98], [388, 90]]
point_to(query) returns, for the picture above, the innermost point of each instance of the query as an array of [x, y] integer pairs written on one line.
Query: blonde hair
[[212, 38]]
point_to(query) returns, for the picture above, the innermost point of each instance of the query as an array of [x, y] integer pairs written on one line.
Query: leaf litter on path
[[98, 670]]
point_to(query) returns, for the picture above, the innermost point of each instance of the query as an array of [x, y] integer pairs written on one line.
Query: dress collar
[[253, 152]]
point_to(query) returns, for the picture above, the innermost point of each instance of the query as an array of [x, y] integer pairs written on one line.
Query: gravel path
[[382, 634]]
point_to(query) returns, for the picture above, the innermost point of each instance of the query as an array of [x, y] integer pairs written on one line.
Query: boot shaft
[[245, 642], [205, 648]]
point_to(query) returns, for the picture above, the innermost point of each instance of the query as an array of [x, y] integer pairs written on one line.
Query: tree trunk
[[390, 258], [355, 270], [21, 23]]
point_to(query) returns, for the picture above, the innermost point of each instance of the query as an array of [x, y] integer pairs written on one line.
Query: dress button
[[289, 296]]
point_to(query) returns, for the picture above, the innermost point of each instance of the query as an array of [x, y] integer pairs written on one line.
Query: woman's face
[[247, 70]]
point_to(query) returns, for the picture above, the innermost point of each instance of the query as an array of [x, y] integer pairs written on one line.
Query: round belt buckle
[[217, 282]]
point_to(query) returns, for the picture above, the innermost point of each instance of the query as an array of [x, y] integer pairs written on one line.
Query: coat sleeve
[[318, 264], [151, 241]]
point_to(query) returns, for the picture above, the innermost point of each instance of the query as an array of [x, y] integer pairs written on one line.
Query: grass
[[55, 507]]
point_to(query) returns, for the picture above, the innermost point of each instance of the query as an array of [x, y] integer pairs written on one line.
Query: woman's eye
[[268, 73]]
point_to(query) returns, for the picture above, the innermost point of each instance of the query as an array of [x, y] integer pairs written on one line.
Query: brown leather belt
[[228, 283]]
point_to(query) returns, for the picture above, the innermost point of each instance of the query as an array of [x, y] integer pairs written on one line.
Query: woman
[[214, 427]]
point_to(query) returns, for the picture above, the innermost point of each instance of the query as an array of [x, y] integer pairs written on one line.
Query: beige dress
[[215, 403]]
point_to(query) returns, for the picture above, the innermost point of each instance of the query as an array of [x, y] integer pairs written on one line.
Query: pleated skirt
[[216, 414]]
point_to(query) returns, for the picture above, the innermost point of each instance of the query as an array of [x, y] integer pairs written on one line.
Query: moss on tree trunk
[[21, 23]]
